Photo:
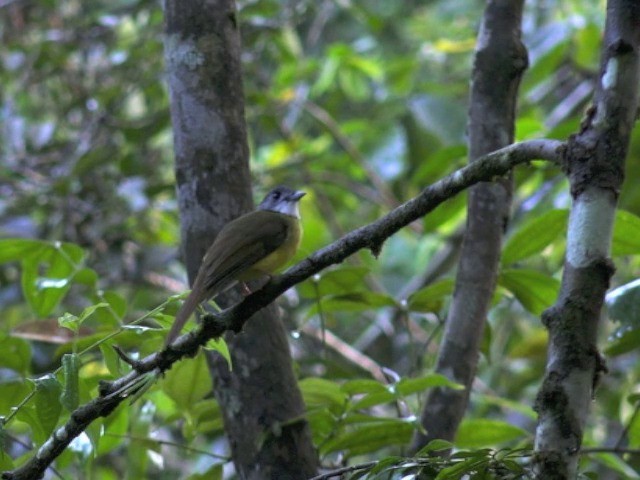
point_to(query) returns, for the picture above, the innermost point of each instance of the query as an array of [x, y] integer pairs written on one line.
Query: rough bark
[[207, 109], [594, 162], [500, 60]]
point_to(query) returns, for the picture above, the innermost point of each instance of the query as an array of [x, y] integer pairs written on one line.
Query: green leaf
[[432, 297], [352, 302], [482, 432], [617, 464], [113, 314], [15, 249], [111, 359], [47, 272], [70, 396], [363, 385], [207, 416], [113, 432], [341, 280], [28, 415], [459, 470], [624, 342], [188, 382], [16, 354], [626, 234], [407, 386], [534, 290], [623, 304], [436, 445], [534, 236], [370, 437], [318, 392], [219, 345], [47, 402], [213, 473], [12, 393]]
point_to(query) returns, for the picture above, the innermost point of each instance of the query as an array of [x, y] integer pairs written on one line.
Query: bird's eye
[[276, 195]]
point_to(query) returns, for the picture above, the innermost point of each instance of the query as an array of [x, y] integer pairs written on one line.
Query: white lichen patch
[[590, 227], [182, 53], [610, 77]]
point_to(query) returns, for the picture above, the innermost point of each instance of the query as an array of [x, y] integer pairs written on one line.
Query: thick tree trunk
[[499, 63], [594, 161], [260, 396]]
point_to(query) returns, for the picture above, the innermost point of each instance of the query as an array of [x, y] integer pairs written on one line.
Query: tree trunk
[[594, 161], [499, 63], [260, 396]]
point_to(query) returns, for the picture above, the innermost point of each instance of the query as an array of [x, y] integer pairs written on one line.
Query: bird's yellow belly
[[276, 259]]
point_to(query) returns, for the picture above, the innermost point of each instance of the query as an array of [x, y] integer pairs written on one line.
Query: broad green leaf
[[623, 304], [626, 234], [373, 399], [47, 273], [47, 401], [352, 302], [617, 464], [15, 249], [534, 290], [587, 46], [461, 469], [12, 392], [435, 446], [28, 415], [207, 416], [86, 276], [69, 321], [323, 422], [407, 386], [534, 236], [318, 392], [386, 463], [623, 342], [481, 432], [112, 314], [188, 382], [339, 281], [111, 359], [16, 354], [371, 437], [432, 297], [113, 431], [363, 385], [507, 404]]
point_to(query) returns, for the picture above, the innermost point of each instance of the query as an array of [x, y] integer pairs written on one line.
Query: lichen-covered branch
[[594, 161], [371, 236]]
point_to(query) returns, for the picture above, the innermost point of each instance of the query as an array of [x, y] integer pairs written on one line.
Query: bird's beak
[[294, 197]]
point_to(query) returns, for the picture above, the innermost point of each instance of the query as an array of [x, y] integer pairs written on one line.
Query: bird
[[253, 245]]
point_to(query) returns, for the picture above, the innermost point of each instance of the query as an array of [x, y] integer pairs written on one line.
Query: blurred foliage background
[[362, 104]]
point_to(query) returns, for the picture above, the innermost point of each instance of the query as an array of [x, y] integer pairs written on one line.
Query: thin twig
[[343, 470]]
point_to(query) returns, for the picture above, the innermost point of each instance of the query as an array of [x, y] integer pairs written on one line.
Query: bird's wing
[[236, 249]]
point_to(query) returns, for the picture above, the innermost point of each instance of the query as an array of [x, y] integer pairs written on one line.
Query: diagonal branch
[[370, 236]]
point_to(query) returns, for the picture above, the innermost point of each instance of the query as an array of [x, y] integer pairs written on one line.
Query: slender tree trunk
[[594, 161], [261, 403], [499, 63]]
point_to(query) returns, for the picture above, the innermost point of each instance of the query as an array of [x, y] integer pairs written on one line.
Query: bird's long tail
[[187, 308]]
